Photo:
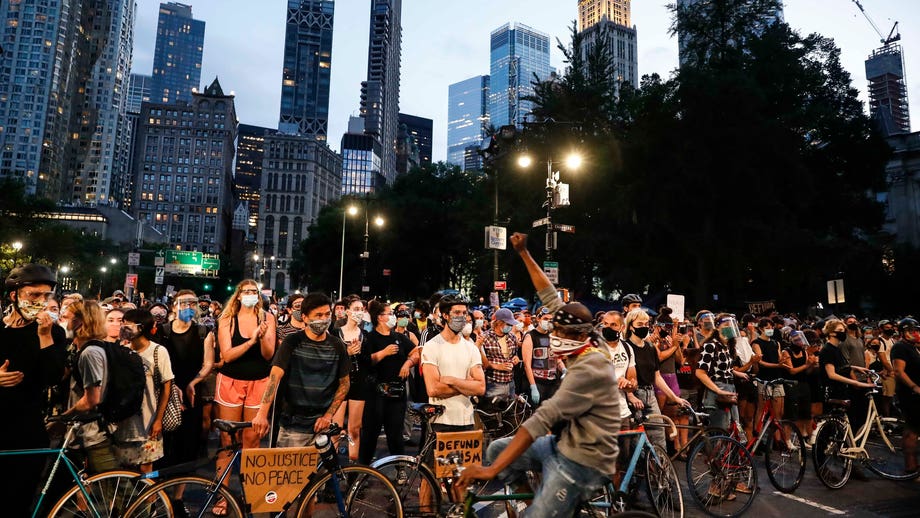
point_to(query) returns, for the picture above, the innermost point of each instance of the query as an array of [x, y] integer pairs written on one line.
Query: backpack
[[127, 382]]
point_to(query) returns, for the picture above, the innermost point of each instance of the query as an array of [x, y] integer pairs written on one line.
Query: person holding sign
[[311, 369], [576, 462]]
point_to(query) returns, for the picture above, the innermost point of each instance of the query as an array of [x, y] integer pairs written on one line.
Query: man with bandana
[[575, 462], [309, 396], [29, 364]]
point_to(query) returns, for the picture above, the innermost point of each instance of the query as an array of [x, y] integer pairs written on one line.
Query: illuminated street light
[[524, 161], [573, 161], [378, 221], [17, 246]]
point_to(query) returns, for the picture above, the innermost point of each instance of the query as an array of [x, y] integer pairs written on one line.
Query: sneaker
[[790, 446], [180, 510]]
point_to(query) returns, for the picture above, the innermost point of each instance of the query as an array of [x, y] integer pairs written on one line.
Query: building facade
[[903, 196], [362, 159], [592, 12], [420, 131], [248, 176], [467, 117], [307, 69], [518, 54], [888, 89], [177, 54], [380, 92], [138, 92], [623, 45], [300, 175], [184, 169], [63, 81]]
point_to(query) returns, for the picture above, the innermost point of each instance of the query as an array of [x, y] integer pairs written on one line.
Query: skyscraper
[[184, 169], [420, 131], [248, 177], [63, 79], [307, 68], [518, 53], [467, 117], [138, 92], [362, 160], [592, 12], [300, 175], [380, 93], [888, 89], [177, 56], [610, 19]]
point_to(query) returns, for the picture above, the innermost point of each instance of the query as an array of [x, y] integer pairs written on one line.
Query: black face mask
[[611, 335], [840, 335], [663, 332], [852, 327], [888, 332], [641, 332]]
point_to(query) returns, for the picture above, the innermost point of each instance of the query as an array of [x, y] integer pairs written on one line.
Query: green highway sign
[[182, 262]]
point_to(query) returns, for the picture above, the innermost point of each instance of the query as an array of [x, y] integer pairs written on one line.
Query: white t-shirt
[[622, 360], [455, 360]]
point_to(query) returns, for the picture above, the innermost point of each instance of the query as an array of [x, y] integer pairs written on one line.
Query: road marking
[[806, 501]]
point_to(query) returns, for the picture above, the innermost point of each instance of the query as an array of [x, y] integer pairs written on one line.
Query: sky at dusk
[[446, 41]]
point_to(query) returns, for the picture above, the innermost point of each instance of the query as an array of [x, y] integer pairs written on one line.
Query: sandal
[[220, 508]]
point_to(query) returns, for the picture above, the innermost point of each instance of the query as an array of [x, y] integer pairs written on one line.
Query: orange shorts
[[235, 393]]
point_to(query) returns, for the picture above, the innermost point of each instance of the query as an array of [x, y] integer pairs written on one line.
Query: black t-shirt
[[23, 404], [646, 363], [312, 371], [186, 352], [911, 357], [387, 369], [831, 355], [802, 376], [770, 351]]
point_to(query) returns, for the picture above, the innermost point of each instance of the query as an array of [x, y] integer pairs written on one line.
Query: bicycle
[[785, 456], [501, 416], [721, 476], [877, 444], [321, 494], [101, 495]]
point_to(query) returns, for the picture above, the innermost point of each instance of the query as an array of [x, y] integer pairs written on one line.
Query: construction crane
[[892, 37]]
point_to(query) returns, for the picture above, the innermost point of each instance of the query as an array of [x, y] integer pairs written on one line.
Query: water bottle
[[324, 445]]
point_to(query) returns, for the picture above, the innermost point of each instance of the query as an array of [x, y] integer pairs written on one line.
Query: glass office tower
[[467, 116], [177, 55], [519, 55]]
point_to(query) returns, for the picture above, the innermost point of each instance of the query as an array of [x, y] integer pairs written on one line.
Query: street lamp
[[556, 193], [255, 266], [113, 261], [102, 279], [350, 211], [364, 256]]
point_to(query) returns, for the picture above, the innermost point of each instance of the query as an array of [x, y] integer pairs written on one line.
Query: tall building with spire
[[307, 72], [518, 54], [380, 92], [177, 54], [610, 20]]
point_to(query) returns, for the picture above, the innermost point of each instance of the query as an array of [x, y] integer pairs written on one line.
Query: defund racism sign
[[467, 444]]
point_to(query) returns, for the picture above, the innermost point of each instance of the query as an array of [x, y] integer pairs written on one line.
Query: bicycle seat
[[426, 410], [231, 426], [845, 403]]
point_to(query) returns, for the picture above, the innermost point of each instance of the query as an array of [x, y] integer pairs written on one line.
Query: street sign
[[496, 238], [184, 262], [365, 289], [158, 278], [540, 222], [565, 228], [501, 285], [134, 258], [160, 258], [386, 272], [130, 281], [551, 268]]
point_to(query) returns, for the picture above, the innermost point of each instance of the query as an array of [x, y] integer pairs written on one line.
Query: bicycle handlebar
[[668, 423]]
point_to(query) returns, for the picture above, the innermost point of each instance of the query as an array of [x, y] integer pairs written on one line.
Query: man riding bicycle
[[576, 461]]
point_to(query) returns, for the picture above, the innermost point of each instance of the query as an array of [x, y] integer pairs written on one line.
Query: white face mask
[[391, 321], [249, 300], [467, 329], [357, 315], [519, 326], [479, 323]]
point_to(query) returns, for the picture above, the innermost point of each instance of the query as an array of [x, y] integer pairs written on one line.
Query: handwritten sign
[[272, 478], [467, 444], [676, 303]]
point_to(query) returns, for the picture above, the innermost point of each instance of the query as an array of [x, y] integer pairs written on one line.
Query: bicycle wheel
[[377, 497], [109, 493], [598, 506], [663, 485], [721, 476], [785, 458], [416, 485], [832, 468], [885, 449], [199, 497]]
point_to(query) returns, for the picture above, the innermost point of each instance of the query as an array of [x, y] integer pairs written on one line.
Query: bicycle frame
[[857, 442], [61, 457]]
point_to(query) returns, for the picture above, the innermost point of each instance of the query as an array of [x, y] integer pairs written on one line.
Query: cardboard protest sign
[[467, 444], [273, 477]]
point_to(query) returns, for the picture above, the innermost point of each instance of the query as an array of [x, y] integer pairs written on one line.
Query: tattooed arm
[[340, 394], [260, 421]]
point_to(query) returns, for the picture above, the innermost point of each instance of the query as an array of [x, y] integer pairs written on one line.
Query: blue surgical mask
[[187, 314], [507, 329]]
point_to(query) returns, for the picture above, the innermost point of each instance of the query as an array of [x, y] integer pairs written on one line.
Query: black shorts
[[798, 401], [747, 391]]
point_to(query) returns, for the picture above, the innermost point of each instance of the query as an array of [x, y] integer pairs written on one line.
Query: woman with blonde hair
[[87, 385], [246, 337]]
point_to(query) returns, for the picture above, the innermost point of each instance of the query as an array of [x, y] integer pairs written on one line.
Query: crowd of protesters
[[293, 368]]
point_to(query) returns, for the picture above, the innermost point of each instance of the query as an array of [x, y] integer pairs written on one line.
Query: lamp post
[[364, 256], [17, 246], [553, 186], [350, 211], [255, 267], [102, 279]]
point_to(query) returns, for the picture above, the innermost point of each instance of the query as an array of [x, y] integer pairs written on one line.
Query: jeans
[[499, 389], [565, 483], [719, 417], [655, 433]]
